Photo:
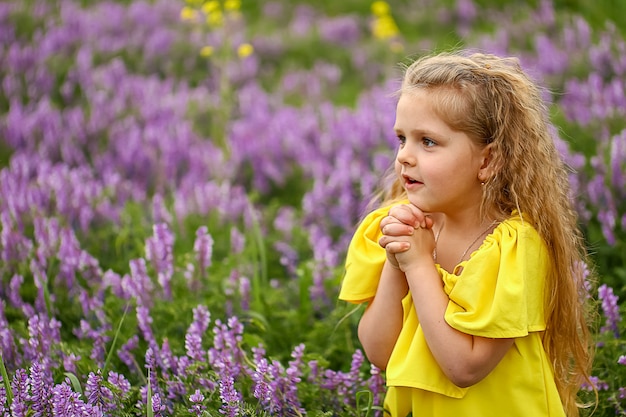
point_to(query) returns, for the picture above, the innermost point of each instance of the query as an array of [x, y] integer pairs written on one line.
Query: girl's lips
[[410, 183]]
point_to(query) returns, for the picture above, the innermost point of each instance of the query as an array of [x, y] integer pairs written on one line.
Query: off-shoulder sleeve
[[364, 260], [500, 291]]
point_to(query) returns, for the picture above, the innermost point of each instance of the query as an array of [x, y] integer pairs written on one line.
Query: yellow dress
[[498, 293]]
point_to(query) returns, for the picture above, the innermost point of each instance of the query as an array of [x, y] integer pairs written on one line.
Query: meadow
[[179, 182]]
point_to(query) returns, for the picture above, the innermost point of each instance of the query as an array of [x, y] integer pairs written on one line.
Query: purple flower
[[159, 250], [262, 388], [125, 352], [342, 30], [203, 247], [40, 383], [237, 241], [377, 384], [97, 394], [21, 396], [66, 402], [197, 400], [244, 291], [69, 362], [193, 346], [610, 308], [120, 383], [230, 397], [138, 284], [157, 406], [596, 382]]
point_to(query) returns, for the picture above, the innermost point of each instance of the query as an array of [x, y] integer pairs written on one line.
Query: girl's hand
[[407, 235]]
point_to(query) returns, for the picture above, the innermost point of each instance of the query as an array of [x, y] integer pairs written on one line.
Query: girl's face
[[440, 168]]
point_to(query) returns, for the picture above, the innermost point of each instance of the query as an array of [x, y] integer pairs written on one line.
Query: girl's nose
[[404, 156]]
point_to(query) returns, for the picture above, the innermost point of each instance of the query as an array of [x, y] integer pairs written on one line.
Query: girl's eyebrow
[[424, 132]]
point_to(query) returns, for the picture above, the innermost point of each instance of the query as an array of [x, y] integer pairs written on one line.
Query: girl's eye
[[401, 140], [428, 142]]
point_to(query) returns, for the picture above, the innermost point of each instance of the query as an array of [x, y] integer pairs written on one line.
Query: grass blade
[[112, 348], [7, 381]]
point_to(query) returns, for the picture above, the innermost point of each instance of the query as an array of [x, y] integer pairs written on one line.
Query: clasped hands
[[407, 236]]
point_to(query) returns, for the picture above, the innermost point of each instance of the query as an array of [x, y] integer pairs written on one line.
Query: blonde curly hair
[[496, 103]]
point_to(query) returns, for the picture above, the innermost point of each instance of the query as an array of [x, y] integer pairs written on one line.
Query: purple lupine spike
[[66, 402], [193, 346], [43, 333], [97, 394], [144, 322], [69, 362], [138, 284], [125, 352], [167, 358], [47, 237], [3, 398], [289, 257], [618, 160], [151, 366], [7, 344], [610, 308], [14, 296], [69, 254], [159, 250], [355, 367], [294, 376], [245, 288], [231, 398], [40, 278], [40, 381], [237, 241], [203, 248], [113, 280], [193, 338], [20, 388], [157, 406], [197, 408], [201, 319], [262, 389], [376, 384], [159, 210], [120, 383]]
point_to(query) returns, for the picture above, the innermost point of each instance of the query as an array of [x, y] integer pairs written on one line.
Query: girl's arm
[[465, 359], [382, 321]]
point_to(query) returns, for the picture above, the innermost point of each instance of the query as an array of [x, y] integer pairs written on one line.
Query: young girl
[[473, 268]]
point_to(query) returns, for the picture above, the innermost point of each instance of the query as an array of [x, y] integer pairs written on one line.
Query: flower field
[[179, 182]]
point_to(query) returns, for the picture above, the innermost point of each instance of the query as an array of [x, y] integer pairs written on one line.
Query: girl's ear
[[487, 168]]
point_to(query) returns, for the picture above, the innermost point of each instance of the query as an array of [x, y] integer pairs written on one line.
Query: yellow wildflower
[[215, 18], [187, 13], [380, 8], [385, 27], [245, 50], [210, 6], [206, 51], [232, 5]]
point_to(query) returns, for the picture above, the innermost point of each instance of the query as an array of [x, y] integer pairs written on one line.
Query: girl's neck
[[457, 237]]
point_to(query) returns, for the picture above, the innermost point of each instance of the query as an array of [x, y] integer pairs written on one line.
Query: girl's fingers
[[410, 215], [393, 246], [397, 229], [403, 214]]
